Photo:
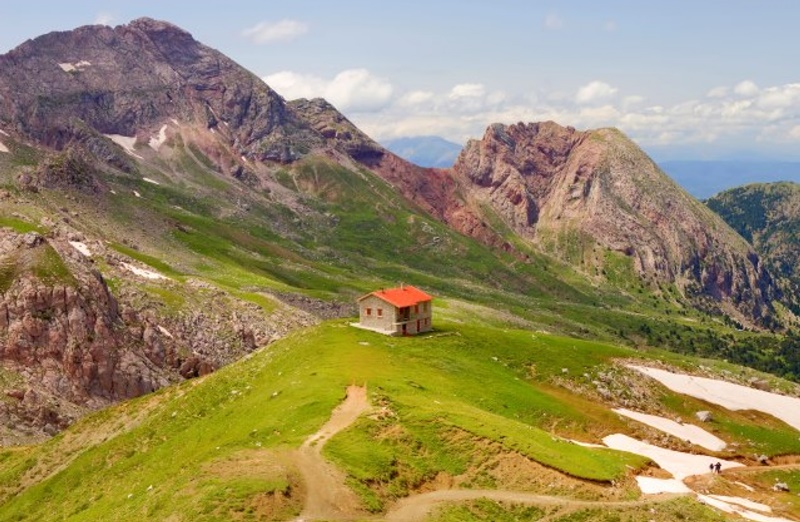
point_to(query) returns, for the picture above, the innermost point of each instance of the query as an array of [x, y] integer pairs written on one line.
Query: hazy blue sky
[[683, 78]]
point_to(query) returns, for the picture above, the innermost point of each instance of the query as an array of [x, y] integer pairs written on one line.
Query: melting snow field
[[126, 142], [72, 67], [728, 395], [142, 272], [739, 506], [157, 141], [682, 465], [679, 464], [81, 247], [688, 432]]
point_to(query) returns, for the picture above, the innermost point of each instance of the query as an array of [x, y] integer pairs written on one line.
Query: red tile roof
[[401, 297]]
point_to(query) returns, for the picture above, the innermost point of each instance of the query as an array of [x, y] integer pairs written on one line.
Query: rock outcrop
[[68, 345], [569, 192], [132, 79]]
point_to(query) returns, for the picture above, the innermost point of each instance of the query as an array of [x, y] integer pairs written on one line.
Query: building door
[[418, 325], [405, 328]]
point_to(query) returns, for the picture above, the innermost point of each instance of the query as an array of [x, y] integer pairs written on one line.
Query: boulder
[[703, 416]]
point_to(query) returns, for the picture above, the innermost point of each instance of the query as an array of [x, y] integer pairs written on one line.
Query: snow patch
[[72, 67], [154, 182], [728, 395], [4, 133], [678, 463], [655, 486], [3, 148], [157, 141], [688, 432], [81, 247], [147, 274], [173, 120], [745, 503], [736, 507], [136, 193], [126, 142]]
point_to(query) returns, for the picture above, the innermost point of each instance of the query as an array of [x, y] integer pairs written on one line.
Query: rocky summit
[[582, 195]]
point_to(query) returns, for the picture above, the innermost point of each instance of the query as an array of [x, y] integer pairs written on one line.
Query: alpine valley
[[181, 251]]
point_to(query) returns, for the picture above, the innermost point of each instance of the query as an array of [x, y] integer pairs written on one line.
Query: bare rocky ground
[[69, 344]]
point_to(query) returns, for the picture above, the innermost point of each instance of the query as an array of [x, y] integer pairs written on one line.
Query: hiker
[[711, 467], [718, 467]]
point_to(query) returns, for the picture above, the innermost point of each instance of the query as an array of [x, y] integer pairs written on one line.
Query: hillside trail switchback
[[328, 498]]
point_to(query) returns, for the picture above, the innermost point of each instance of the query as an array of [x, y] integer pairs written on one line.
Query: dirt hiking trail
[[327, 497]]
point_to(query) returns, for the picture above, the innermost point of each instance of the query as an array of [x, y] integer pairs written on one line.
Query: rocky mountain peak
[[578, 193], [134, 78], [156, 27]]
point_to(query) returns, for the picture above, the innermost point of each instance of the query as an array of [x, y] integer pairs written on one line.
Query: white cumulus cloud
[[282, 31], [292, 85], [416, 98], [746, 88], [718, 92], [467, 90], [355, 90], [358, 90], [735, 115], [595, 91]]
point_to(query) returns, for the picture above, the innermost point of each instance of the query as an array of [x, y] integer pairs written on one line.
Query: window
[[380, 312], [369, 311], [416, 309]]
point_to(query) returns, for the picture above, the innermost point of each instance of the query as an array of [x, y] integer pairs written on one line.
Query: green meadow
[[214, 446]]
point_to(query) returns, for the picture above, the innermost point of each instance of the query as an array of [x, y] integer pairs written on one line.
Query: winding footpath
[[328, 498]]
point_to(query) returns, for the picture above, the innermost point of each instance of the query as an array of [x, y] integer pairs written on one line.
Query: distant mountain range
[[703, 179], [425, 151]]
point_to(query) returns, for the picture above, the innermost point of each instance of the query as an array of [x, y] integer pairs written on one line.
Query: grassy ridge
[[214, 448], [192, 433]]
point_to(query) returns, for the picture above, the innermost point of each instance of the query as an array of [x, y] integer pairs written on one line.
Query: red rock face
[[553, 185], [73, 347]]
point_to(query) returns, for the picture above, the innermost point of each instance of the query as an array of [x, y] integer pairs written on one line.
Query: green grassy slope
[[331, 232], [215, 448]]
